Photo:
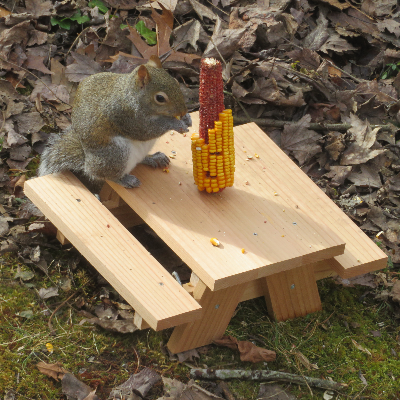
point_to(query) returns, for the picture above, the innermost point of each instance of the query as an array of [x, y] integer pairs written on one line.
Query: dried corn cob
[[213, 149]]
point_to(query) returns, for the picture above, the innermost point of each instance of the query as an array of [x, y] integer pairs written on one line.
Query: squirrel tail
[[62, 153]]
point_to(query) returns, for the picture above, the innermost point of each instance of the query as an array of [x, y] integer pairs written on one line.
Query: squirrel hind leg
[[155, 160]]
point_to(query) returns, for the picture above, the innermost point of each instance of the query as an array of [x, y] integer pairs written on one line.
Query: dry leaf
[[297, 138], [359, 347], [304, 360], [31, 122], [338, 174], [368, 177], [307, 58], [367, 280], [248, 351], [139, 383], [36, 63], [395, 292], [364, 138], [38, 8], [4, 12], [49, 292], [55, 371], [176, 390], [226, 41], [83, 67], [121, 326], [378, 8], [75, 389], [391, 25], [188, 355]]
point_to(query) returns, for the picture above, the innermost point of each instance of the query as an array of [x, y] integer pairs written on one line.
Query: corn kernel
[[215, 242]]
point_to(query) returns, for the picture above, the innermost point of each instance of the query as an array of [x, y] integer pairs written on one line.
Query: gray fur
[[109, 106]]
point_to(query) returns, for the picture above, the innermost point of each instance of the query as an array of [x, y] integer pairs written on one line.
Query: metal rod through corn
[[213, 149]]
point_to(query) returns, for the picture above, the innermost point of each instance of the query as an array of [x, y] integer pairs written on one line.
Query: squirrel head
[[159, 92]]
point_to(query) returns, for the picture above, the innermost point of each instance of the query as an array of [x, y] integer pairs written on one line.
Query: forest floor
[[321, 77]]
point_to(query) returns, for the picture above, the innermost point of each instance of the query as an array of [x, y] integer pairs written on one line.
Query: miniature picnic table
[[291, 232]]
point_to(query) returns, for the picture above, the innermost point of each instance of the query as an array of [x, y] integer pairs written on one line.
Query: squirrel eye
[[160, 98]]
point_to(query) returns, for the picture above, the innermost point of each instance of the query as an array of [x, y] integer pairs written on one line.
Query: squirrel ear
[[143, 76], [154, 62]]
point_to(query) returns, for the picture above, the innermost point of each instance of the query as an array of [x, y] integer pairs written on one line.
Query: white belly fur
[[137, 151]]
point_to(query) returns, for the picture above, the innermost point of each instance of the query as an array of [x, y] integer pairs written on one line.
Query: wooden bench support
[[140, 322], [291, 294], [218, 308]]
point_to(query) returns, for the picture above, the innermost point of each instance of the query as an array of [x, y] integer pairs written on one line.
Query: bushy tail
[[62, 153]]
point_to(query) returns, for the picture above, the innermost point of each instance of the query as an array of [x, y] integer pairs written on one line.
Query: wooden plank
[[140, 322], [109, 197], [291, 294], [218, 308], [276, 235], [126, 215], [112, 250], [61, 238], [256, 288], [361, 254]]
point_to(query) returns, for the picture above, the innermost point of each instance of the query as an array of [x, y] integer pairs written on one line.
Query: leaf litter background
[[321, 77]]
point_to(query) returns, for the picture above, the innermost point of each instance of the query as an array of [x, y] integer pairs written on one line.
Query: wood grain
[[291, 294], [113, 251], [258, 217], [218, 308]]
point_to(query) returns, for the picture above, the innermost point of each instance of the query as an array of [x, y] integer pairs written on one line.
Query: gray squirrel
[[116, 119]]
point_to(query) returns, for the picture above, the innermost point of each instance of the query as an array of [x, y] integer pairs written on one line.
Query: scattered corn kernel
[[166, 170], [256, 155], [214, 241], [243, 251]]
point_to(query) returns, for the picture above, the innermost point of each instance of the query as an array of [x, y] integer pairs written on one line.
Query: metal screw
[[161, 284], [217, 306], [292, 286]]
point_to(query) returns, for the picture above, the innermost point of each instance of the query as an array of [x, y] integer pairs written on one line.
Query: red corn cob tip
[[211, 95]]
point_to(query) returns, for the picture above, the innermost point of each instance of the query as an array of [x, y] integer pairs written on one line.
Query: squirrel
[[116, 119]]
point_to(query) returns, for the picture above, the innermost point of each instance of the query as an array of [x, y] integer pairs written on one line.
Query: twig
[[314, 126], [260, 375], [76, 39], [52, 331], [138, 360], [344, 72], [41, 80]]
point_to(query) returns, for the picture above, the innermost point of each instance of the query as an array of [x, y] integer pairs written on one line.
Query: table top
[[262, 213]]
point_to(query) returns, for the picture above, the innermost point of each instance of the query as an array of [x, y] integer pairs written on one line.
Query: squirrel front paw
[[156, 160], [129, 181]]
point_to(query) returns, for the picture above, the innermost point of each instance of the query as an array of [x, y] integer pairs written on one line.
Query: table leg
[[218, 308], [292, 293]]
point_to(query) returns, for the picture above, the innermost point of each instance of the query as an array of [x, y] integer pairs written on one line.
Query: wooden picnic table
[[291, 232]]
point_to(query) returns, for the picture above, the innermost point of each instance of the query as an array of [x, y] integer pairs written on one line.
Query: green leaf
[[148, 34], [24, 275], [123, 26], [102, 7], [26, 314], [394, 67], [80, 19], [62, 23], [384, 75]]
